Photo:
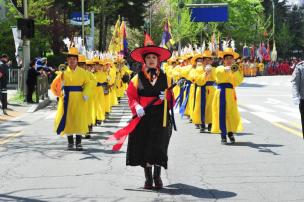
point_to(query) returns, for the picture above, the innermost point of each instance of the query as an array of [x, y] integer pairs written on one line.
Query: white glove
[[139, 110], [208, 68], [296, 101], [162, 95], [85, 97], [227, 69]]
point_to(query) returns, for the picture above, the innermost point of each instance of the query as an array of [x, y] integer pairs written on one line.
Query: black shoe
[[87, 137], [148, 176], [78, 143], [224, 141], [209, 127], [190, 120], [231, 137], [156, 177], [70, 147], [5, 112], [79, 147], [202, 128]]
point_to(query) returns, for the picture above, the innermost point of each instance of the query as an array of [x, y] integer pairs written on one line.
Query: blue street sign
[[209, 14], [76, 18]]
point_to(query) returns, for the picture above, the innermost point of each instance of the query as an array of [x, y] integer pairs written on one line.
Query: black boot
[[231, 137], [156, 176], [209, 127], [149, 180], [202, 128], [78, 143], [70, 142]]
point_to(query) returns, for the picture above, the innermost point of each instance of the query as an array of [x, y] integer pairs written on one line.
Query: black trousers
[[3, 97], [30, 91], [301, 106]]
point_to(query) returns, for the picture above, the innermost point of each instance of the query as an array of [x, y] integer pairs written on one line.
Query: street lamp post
[[26, 52], [273, 21], [82, 19]]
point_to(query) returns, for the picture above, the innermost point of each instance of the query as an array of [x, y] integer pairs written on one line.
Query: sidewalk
[[18, 109]]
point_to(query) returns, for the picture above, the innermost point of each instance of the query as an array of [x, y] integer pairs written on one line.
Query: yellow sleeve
[[56, 85], [237, 78], [87, 84]]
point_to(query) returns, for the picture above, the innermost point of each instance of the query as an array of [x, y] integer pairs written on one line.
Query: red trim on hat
[[138, 53]]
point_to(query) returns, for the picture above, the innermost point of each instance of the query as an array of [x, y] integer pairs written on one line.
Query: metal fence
[[13, 76]]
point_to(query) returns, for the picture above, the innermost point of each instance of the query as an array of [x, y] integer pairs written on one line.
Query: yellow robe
[[76, 119], [113, 96], [233, 119], [186, 74], [201, 79], [101, 77], [92, 99]]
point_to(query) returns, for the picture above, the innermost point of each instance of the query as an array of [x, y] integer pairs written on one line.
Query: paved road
[[266, 163]]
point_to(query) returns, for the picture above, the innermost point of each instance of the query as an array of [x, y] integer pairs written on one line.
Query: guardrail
[[42, 88], [13, 76]]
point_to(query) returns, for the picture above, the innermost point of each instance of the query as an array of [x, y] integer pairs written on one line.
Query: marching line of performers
[[86, 91], [207, 96]]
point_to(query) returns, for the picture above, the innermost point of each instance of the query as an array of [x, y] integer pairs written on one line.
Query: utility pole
[[273, 19], [26, 52], [82, 19], [150, 16], [180, 6]]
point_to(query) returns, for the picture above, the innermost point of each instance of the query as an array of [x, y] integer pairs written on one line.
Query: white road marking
[[268, 117], [258, 108]]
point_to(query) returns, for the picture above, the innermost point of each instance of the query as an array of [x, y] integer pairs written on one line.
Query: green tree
[[284, 40]]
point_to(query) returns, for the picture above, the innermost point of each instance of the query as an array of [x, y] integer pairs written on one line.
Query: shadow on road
[[184, 189], [251, 85], [5, 197], [260, 147]]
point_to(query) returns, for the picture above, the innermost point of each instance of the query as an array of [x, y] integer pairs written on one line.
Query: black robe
[[148, 143]]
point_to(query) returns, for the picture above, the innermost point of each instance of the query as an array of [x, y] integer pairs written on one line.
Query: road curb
[[39, 106]]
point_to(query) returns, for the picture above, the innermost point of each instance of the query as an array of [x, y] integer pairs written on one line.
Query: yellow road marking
[[10, 137], [299, 126], [295, 132]]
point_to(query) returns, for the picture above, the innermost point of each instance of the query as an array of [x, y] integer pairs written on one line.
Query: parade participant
[[101, 79], [204, 80], [297, 81], [71, 107], [226, 117], [4, 59], [148, 143]]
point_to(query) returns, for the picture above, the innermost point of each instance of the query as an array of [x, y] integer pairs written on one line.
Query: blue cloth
[[67, 90], [203, 99], [102, 84], [185, 102], [222, 117]]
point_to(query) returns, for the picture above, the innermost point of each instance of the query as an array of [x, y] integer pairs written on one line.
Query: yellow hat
[[228, 51], [108, 61], [206, 54], [96, 60], [89, 62], [82, 58], [73, 51]]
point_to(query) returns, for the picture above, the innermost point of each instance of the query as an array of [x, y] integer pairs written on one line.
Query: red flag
[[148, 41]]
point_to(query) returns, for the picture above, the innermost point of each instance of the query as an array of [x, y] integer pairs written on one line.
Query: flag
[[115, 43], [167, 40], [124, 41], [148, 41]]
